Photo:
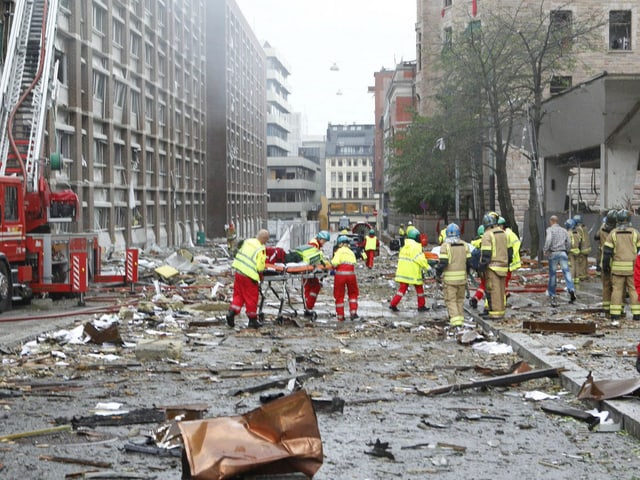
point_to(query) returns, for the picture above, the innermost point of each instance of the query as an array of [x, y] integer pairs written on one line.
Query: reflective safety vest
[[411, 263], [250, 259], [456, 255], [370, 243], [513, 242], [401, 232]]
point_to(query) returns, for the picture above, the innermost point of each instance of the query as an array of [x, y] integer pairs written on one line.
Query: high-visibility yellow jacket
[[250, 259], [401, 232], [410, 228], [513, 242], [411, 263], [343, 255]]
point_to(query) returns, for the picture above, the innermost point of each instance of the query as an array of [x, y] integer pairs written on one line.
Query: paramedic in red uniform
[[344, 262], [248, 264], [371, 247], [312, 286]]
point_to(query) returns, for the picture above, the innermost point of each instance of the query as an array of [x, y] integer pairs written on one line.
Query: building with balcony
[[349, 174], [292, 180], [130, 118], [236, 122]]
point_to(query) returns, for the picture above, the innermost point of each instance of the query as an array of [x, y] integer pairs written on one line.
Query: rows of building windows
[[141, 80], [349, 177], [351, 162], [364, 192], [619, 28]]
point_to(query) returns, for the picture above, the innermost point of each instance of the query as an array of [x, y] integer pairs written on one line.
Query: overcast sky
[[360, 36]]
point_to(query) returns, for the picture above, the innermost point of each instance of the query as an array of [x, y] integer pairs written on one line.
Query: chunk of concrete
[[148, 351]]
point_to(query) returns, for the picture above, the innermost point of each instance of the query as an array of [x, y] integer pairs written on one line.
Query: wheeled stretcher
[[282, 278]]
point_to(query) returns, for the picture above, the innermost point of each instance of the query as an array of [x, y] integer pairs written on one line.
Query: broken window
[[560, 27], [559, 84], [620, 30]]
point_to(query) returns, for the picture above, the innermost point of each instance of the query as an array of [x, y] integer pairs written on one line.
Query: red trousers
[[345, 281], [370, 255], [311, 288], [245, 293], [402, 289], [479, 295]]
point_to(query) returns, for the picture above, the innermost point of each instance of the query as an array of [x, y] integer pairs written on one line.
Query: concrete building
[[236, 122], [589, 163], [349, 174], [292, 180], [130, 118]]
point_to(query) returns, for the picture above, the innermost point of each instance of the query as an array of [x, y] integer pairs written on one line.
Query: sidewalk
[[598, 353]]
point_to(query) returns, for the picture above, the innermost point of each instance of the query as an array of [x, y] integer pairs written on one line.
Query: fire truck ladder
[[26, 88]]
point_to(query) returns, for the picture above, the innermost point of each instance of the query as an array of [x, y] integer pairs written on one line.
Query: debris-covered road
[[372, 382]]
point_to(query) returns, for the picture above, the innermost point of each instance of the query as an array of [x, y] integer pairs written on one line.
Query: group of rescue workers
[[494, 255]]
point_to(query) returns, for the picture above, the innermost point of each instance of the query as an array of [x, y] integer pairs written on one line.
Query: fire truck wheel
[[5, 288]]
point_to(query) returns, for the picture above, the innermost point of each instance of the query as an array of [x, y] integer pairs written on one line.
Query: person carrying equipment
[[248, 264], [311, 286]]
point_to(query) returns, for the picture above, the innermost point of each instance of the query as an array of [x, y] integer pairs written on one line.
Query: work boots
[[254, 323], [473, 302], [231, 315], [423, 308], [572, 296]]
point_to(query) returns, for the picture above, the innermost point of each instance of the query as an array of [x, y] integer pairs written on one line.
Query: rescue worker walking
[[371, 247], [311, 286], [513, 242], [556, 245], [411, 265], [495, 257], [618, 258], [608, 224], [454, 260], [574, 249], [411, 227], [582, 268], [248, 264], [344, 262], [480, 291]]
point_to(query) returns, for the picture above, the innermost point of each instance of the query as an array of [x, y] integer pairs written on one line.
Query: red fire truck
[[39, 255]]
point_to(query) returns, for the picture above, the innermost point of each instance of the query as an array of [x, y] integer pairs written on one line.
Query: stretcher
[[281, 278]]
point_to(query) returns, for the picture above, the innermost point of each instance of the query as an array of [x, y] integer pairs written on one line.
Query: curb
[[622, 411]]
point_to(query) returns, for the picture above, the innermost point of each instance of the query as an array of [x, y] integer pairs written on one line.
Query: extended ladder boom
[[26, 88]]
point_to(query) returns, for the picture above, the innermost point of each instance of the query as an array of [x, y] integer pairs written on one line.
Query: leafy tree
[[497, 72]]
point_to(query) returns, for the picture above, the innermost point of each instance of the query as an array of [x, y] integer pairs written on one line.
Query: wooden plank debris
[[78, 461], [503, 380], [559, 327]]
